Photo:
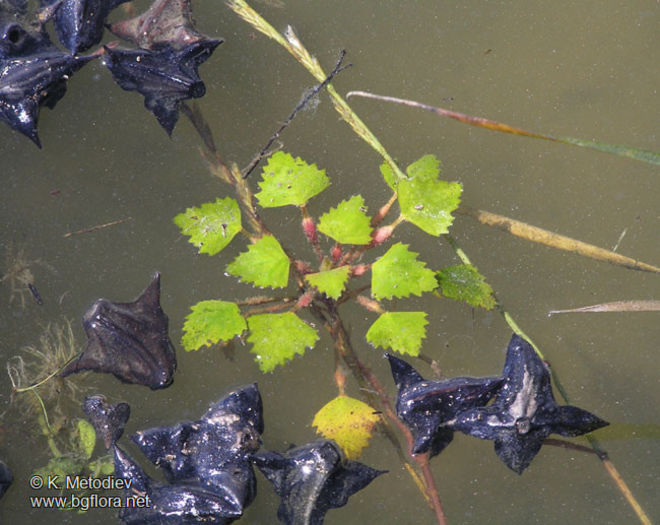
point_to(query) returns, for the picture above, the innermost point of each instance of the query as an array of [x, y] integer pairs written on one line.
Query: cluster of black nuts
[[523, 413], [208, 466], [34, 72], [209, 463]]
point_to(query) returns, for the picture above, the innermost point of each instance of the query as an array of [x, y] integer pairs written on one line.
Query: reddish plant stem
[[256, 300], [352, 294], [384, 210], [268, 309], [326, 311], [377, 397], [422, 460]]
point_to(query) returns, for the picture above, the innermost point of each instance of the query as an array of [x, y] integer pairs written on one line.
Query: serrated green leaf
[[401, 331], [276, 338], [424, 200], [86, 438], [211, 322], [331, 282], [463, 282], [348, 421], [212, 226], [289, 181], [264, 264], [348, 223], [398, 273]]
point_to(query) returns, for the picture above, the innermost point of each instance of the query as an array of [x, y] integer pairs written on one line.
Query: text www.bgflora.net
[[85, 500], [91, 501]]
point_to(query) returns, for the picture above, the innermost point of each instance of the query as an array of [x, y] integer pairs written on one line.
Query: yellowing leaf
[[348, 421], [652, 157], [86, 438]]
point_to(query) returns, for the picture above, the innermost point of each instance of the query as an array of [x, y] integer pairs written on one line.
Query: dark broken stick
[[338, 69]]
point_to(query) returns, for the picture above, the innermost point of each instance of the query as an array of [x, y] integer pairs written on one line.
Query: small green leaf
[[401, 331], [289, 181], [212, 226], [210, 322], [264, 264], [348, 421], [276, 338], [463, 282], [331, 282], [398, 273], [86, 438], [389, 176], [426, 201], [348, 223]]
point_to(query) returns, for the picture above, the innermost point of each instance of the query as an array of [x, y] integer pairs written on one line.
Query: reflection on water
[[562, 70]]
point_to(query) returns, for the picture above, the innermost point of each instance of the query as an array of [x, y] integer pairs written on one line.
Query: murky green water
[[586, 69]]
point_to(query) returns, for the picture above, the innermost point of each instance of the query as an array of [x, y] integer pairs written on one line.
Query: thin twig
[[46, 429], [306, 99], [362, 373], [97, 227], [570, 445]]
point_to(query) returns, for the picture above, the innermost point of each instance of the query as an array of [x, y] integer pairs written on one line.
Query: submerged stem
[[46, 429], [45, 379], [377, 396]]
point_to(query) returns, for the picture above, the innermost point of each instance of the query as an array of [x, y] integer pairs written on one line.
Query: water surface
[[584, 69]]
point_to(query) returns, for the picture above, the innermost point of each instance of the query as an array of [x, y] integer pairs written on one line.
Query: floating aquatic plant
[[38, 365], [19, 277]]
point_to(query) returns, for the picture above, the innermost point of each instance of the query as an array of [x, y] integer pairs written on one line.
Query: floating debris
[[164, 77], [79, 24], [524, 412], [312, 479], [425, 406], [206, 463], [615, 306], [129, 340], [33, 73]]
